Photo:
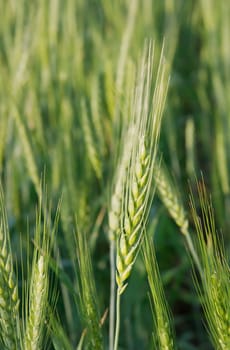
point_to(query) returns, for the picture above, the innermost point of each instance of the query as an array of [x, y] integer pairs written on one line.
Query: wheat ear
[[37, 303], [137, 194], [171, 199], [88, 294], [37, 300], [9, 302], [133, 219], [214, 285], [163, 333], [146, 112], [114, 218]]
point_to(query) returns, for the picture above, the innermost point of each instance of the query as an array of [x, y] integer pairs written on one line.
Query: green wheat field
[[114, 174]]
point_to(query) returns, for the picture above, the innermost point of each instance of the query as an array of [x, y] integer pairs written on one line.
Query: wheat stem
[[117, 331], [112, 294]]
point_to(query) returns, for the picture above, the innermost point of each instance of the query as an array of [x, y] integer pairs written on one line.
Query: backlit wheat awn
[[137, 192]]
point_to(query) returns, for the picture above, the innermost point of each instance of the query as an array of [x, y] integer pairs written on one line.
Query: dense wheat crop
[[114, 174]]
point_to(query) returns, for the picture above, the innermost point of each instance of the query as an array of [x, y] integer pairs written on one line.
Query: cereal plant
[[114, 174]]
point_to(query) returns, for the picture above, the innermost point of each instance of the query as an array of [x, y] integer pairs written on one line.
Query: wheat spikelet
[[9, 301]]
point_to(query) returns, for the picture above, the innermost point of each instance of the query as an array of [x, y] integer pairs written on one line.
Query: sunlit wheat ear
[[214, 284], [146, 109], [9, 302]]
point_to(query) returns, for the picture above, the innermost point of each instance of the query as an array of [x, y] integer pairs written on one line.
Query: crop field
[[114, 174]]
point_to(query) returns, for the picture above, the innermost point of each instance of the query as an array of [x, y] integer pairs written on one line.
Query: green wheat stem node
[[9, 301]]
